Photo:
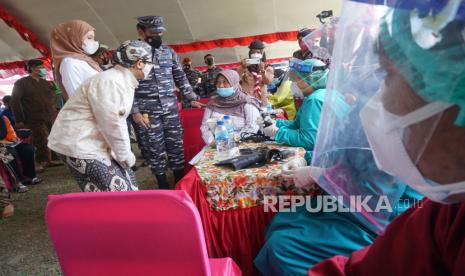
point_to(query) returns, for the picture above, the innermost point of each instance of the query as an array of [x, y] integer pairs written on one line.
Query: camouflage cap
[[131, 51], [152, 23]]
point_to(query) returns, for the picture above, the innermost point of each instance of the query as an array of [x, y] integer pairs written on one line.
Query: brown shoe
[[8, 211]]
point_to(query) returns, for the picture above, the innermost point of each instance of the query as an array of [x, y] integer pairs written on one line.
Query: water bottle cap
[[219, 123], [226, 117]]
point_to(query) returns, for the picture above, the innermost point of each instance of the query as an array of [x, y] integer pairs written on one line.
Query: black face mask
[[187, 67], [154, 41], [209, 61]]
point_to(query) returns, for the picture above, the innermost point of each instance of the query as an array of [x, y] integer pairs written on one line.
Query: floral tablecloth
[[228, 189]]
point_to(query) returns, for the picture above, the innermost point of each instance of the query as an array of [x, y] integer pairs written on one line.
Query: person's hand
[[270, 131], [244, 63], [278, 111], [129, 162], [141, 121], [196, 104], [295, 163], [263, 97], [20, 125], [269, 70], [300, 176], [212, 143]]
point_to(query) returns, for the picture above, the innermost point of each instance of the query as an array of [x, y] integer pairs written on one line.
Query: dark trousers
[[163, 142], [24, 157], [40, 132]]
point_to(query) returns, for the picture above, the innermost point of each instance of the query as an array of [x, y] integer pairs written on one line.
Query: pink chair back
[[127, 233]]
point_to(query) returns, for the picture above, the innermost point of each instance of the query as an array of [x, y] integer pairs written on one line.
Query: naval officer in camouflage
[[207, 88], [193, 77], [155, 109]]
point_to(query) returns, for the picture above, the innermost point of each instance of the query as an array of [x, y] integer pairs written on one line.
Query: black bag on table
[[254, 158]]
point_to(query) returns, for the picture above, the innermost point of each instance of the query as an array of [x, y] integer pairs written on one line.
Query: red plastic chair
[[131, 233], [204, 100], [191, 120]]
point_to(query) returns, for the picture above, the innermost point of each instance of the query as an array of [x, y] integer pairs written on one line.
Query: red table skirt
[[238, 234]]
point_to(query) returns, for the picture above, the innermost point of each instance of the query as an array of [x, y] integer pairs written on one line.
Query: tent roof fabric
[[186, 21]]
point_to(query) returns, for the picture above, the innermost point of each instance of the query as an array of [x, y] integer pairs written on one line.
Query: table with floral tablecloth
[[230, 204], [229, 190]]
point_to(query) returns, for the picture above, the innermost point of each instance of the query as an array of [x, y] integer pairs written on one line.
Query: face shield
[[395, 82], [424, 59], [320, 42]]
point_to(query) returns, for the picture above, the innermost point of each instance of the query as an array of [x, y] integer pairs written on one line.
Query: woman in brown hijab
[[72, 43]]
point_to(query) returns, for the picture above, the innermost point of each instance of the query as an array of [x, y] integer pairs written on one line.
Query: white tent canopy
[[186, 21]]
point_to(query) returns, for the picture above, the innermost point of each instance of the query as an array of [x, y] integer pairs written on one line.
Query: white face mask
[[385, 130], [296, 91], [90, 47], [147, 68]]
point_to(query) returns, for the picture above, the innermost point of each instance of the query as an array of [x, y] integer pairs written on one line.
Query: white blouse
[[243, 124], [74, 72]]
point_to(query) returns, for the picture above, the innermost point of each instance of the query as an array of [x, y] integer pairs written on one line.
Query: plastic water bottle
[[269, 108], [230, 128], [222, 140]]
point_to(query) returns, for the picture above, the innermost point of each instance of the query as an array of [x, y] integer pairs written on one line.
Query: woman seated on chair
[[243, 109], [23, 164]]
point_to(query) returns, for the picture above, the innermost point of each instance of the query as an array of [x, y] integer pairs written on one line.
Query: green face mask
[[43, 72]]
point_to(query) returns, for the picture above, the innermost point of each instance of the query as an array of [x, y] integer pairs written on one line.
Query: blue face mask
[[225, 92]]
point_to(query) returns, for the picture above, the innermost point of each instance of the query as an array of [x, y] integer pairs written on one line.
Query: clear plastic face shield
[[320, 42], [401, 75]]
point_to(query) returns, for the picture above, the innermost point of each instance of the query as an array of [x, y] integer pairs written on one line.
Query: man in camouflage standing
[[155, 109], [208, 86], [193, 77]]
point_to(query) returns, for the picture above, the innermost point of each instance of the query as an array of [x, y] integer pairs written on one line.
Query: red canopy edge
[[232, 42], [26, 35]]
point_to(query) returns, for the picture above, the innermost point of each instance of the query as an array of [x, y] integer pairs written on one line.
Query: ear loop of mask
[[147, 63], [418, 115]]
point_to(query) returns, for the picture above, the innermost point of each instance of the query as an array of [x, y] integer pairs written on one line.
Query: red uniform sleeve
[[428, 239]]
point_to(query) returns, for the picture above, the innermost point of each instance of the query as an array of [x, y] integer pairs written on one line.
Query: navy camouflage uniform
[[208, 86], [155, 96], [193, 78]]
